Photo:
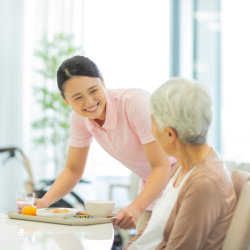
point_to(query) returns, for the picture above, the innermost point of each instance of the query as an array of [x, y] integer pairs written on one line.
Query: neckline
[[176, 175], [184, 178]]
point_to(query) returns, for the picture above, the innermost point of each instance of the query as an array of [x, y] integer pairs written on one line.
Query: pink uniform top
[[127, 126]]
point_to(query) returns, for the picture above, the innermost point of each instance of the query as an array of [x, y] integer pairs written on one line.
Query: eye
[[93, 91], [78, 98]]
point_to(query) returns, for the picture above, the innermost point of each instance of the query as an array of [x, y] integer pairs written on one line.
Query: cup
[[99, 208], [24, 199]]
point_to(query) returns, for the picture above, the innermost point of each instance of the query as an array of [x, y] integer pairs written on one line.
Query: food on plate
[[29, 210], [57, 212], [60, 210], [82, 214]]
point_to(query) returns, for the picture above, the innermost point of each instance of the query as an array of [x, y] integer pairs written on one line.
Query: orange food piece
[[60, 210], [29, 210]]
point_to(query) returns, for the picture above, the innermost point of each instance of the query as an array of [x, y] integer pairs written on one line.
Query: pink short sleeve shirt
[[127, 126]]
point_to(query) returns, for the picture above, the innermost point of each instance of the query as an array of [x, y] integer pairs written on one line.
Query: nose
[[89, 100]]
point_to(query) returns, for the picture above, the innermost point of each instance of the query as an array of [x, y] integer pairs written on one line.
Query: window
[[195, 46], [235, 80], [210, 42]]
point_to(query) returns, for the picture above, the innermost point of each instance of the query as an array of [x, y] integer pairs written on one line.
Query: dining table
[[32, 235]]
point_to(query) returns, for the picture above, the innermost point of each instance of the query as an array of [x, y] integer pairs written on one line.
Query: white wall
[[11, 17]]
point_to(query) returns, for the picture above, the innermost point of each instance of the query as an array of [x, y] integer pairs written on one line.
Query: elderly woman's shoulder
[[214, 169], [214, 177]]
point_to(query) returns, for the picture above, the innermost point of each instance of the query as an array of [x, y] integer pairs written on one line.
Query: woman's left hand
[[127, 217]]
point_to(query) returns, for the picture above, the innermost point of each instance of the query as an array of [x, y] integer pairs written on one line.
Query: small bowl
[[99, 208]]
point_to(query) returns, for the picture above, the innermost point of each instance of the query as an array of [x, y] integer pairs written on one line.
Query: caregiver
[[119, 120]]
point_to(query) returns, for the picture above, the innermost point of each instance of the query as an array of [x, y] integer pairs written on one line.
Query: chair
[[234, 165], [123, 236], [238, 235], [239, 178], [132, 188]]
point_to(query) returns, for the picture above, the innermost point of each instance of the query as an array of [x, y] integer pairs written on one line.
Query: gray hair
[[184, 105]]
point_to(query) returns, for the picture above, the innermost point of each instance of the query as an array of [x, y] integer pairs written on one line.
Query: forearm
[[155, 183], [62, 186]]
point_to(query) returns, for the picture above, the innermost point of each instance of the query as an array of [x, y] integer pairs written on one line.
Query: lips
[[91, 109]]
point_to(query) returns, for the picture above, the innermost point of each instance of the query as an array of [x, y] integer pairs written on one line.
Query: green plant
[[52, 125]]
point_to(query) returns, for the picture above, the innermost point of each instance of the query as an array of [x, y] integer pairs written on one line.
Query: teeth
[[94, 108]]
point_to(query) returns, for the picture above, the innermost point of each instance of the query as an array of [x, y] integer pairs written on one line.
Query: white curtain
[[11, 98], [44, 18]]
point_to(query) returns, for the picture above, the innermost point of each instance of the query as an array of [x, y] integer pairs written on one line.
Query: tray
[[71, 221]]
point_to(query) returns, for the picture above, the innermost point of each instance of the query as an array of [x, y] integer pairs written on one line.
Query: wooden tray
[[71, 221]]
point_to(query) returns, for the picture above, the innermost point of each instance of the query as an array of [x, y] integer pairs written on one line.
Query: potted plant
[[52, 125]]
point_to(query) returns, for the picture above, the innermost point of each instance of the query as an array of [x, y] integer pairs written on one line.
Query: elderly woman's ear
[[171, 134]]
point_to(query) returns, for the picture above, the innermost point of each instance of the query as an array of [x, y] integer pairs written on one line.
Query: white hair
[[184, 105]]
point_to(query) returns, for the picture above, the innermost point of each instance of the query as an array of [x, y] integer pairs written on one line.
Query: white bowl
[[99, 208]]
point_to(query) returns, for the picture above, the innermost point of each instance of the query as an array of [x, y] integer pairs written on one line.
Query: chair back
[[238, 235], [239, 179]]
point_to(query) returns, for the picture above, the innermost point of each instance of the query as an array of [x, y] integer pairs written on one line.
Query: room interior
[[136, 44]]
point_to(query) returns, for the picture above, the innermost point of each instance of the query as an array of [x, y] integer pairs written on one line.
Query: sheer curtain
[[44, 18], [11, 96], [128, 40]]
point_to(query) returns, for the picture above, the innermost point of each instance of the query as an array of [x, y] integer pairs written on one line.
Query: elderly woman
[[197, 205]]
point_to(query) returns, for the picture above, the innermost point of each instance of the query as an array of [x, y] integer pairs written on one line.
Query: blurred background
[[135, 43]]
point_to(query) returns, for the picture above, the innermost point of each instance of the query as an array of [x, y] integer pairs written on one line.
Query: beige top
[[203, 210]]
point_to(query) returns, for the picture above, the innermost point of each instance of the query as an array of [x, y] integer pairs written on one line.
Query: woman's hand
[[41, 203], [68, 178], [127, 217]]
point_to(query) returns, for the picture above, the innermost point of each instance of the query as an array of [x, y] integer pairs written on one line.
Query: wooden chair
[[238, 235]]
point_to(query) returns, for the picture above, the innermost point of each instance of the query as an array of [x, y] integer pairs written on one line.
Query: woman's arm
[[157, 180], [68, 178]]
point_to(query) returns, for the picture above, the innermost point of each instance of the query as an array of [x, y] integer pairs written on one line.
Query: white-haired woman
[[198, 203]]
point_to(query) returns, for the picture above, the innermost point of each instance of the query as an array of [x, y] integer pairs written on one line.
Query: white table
[[29, 235]]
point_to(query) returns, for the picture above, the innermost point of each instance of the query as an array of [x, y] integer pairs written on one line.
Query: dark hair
[[76, 66]]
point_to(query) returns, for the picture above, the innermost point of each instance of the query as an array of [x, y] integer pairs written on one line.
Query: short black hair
[[76, 66]]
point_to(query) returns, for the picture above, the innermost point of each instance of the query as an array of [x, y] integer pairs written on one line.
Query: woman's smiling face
[[86, 96]]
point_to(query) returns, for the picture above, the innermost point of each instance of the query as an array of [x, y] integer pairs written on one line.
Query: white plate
[[48, 212]]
